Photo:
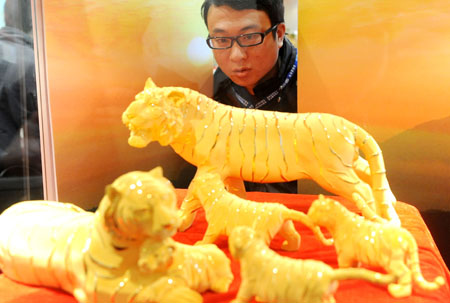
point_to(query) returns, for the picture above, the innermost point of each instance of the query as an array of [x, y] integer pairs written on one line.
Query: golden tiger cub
[[273, 278], [386, 245], [224, 211]]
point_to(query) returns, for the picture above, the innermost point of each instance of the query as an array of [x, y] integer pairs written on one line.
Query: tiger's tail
[[383, 195], [362, 274], [304, 219]]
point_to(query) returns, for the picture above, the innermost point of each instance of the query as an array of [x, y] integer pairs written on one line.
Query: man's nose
[[237, 52]]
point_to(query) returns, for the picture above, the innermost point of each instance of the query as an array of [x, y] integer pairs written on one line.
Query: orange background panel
[[385, 65], [99, 56], [382, 64]]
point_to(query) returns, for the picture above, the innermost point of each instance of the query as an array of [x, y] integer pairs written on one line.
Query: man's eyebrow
[[220, 30], [253, 26]]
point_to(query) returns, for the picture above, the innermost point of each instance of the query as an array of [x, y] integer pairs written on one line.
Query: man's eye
[[250, 37], [222, 40]]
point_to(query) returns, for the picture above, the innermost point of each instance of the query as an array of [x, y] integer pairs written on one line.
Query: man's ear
[[281, 31]]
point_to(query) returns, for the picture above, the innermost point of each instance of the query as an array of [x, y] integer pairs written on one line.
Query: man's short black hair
[[273, 8]]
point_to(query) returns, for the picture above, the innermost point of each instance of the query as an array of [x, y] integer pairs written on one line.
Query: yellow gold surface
[[273, 278], [358, 240], [121, 253], [224, 211], [264, 146]]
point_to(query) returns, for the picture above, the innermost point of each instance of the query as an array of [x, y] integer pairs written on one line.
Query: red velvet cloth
[[431, 261]]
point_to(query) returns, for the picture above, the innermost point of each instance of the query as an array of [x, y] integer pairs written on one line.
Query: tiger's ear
[[240, 239], [114, 197], [157, 172], [176, 97], [149, 83], [112, 193]]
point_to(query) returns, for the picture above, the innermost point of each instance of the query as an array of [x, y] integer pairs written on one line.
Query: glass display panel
[[20, 150], [99, 55], [385, 66]]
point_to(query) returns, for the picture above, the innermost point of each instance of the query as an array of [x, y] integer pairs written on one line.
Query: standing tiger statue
[[263, 146], [102, 256]]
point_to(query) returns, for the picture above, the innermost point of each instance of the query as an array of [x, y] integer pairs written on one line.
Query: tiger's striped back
[[41, 243]]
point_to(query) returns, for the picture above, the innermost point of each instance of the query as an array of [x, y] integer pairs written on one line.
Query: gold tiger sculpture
[[224, 211], [361, 241], [95, 256], [273, 278], [263, 146], [204, 266]]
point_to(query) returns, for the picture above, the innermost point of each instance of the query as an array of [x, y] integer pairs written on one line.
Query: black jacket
[[18, 101], [226, 92]]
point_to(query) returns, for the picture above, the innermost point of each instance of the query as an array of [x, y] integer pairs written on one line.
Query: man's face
[[245, 66]]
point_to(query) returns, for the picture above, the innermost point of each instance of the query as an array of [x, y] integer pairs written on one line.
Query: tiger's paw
[[186, 220], [290, 245], [400, 290]]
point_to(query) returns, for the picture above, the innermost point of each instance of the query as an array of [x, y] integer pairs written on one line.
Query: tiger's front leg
[[291, 236], [397, 267], [191, 202], [188, 211], [210, 236], [244, 294]]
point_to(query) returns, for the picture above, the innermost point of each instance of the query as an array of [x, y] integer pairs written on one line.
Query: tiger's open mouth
[[138, 138]]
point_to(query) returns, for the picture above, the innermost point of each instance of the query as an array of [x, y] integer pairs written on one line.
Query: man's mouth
[[241, 72]]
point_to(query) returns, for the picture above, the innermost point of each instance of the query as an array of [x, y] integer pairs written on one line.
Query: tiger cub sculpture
[[224, 211], [361, 241], [95, 256], [263, 146], [203, 266], [273, 278]]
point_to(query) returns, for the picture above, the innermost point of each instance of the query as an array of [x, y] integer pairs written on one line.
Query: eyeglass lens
[[244, 40]]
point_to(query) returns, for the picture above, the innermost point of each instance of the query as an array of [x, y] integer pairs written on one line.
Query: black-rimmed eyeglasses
[[244, 40]]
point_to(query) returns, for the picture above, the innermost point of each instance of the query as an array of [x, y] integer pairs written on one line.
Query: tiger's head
[[138, 206], [154, 115], [241, 239], [323, 210]]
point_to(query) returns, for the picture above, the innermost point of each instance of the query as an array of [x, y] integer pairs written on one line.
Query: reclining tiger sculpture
[[203, 265], [263, 146], [103, 256]]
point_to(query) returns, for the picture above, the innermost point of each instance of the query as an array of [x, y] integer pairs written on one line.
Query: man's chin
[[243, 82]]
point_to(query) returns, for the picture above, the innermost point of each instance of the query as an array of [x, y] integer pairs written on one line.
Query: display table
[[431, 261]]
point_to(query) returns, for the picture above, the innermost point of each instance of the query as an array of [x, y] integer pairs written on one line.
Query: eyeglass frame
[[235, 38]]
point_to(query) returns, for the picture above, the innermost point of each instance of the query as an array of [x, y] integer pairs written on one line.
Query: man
[[257, 64]]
